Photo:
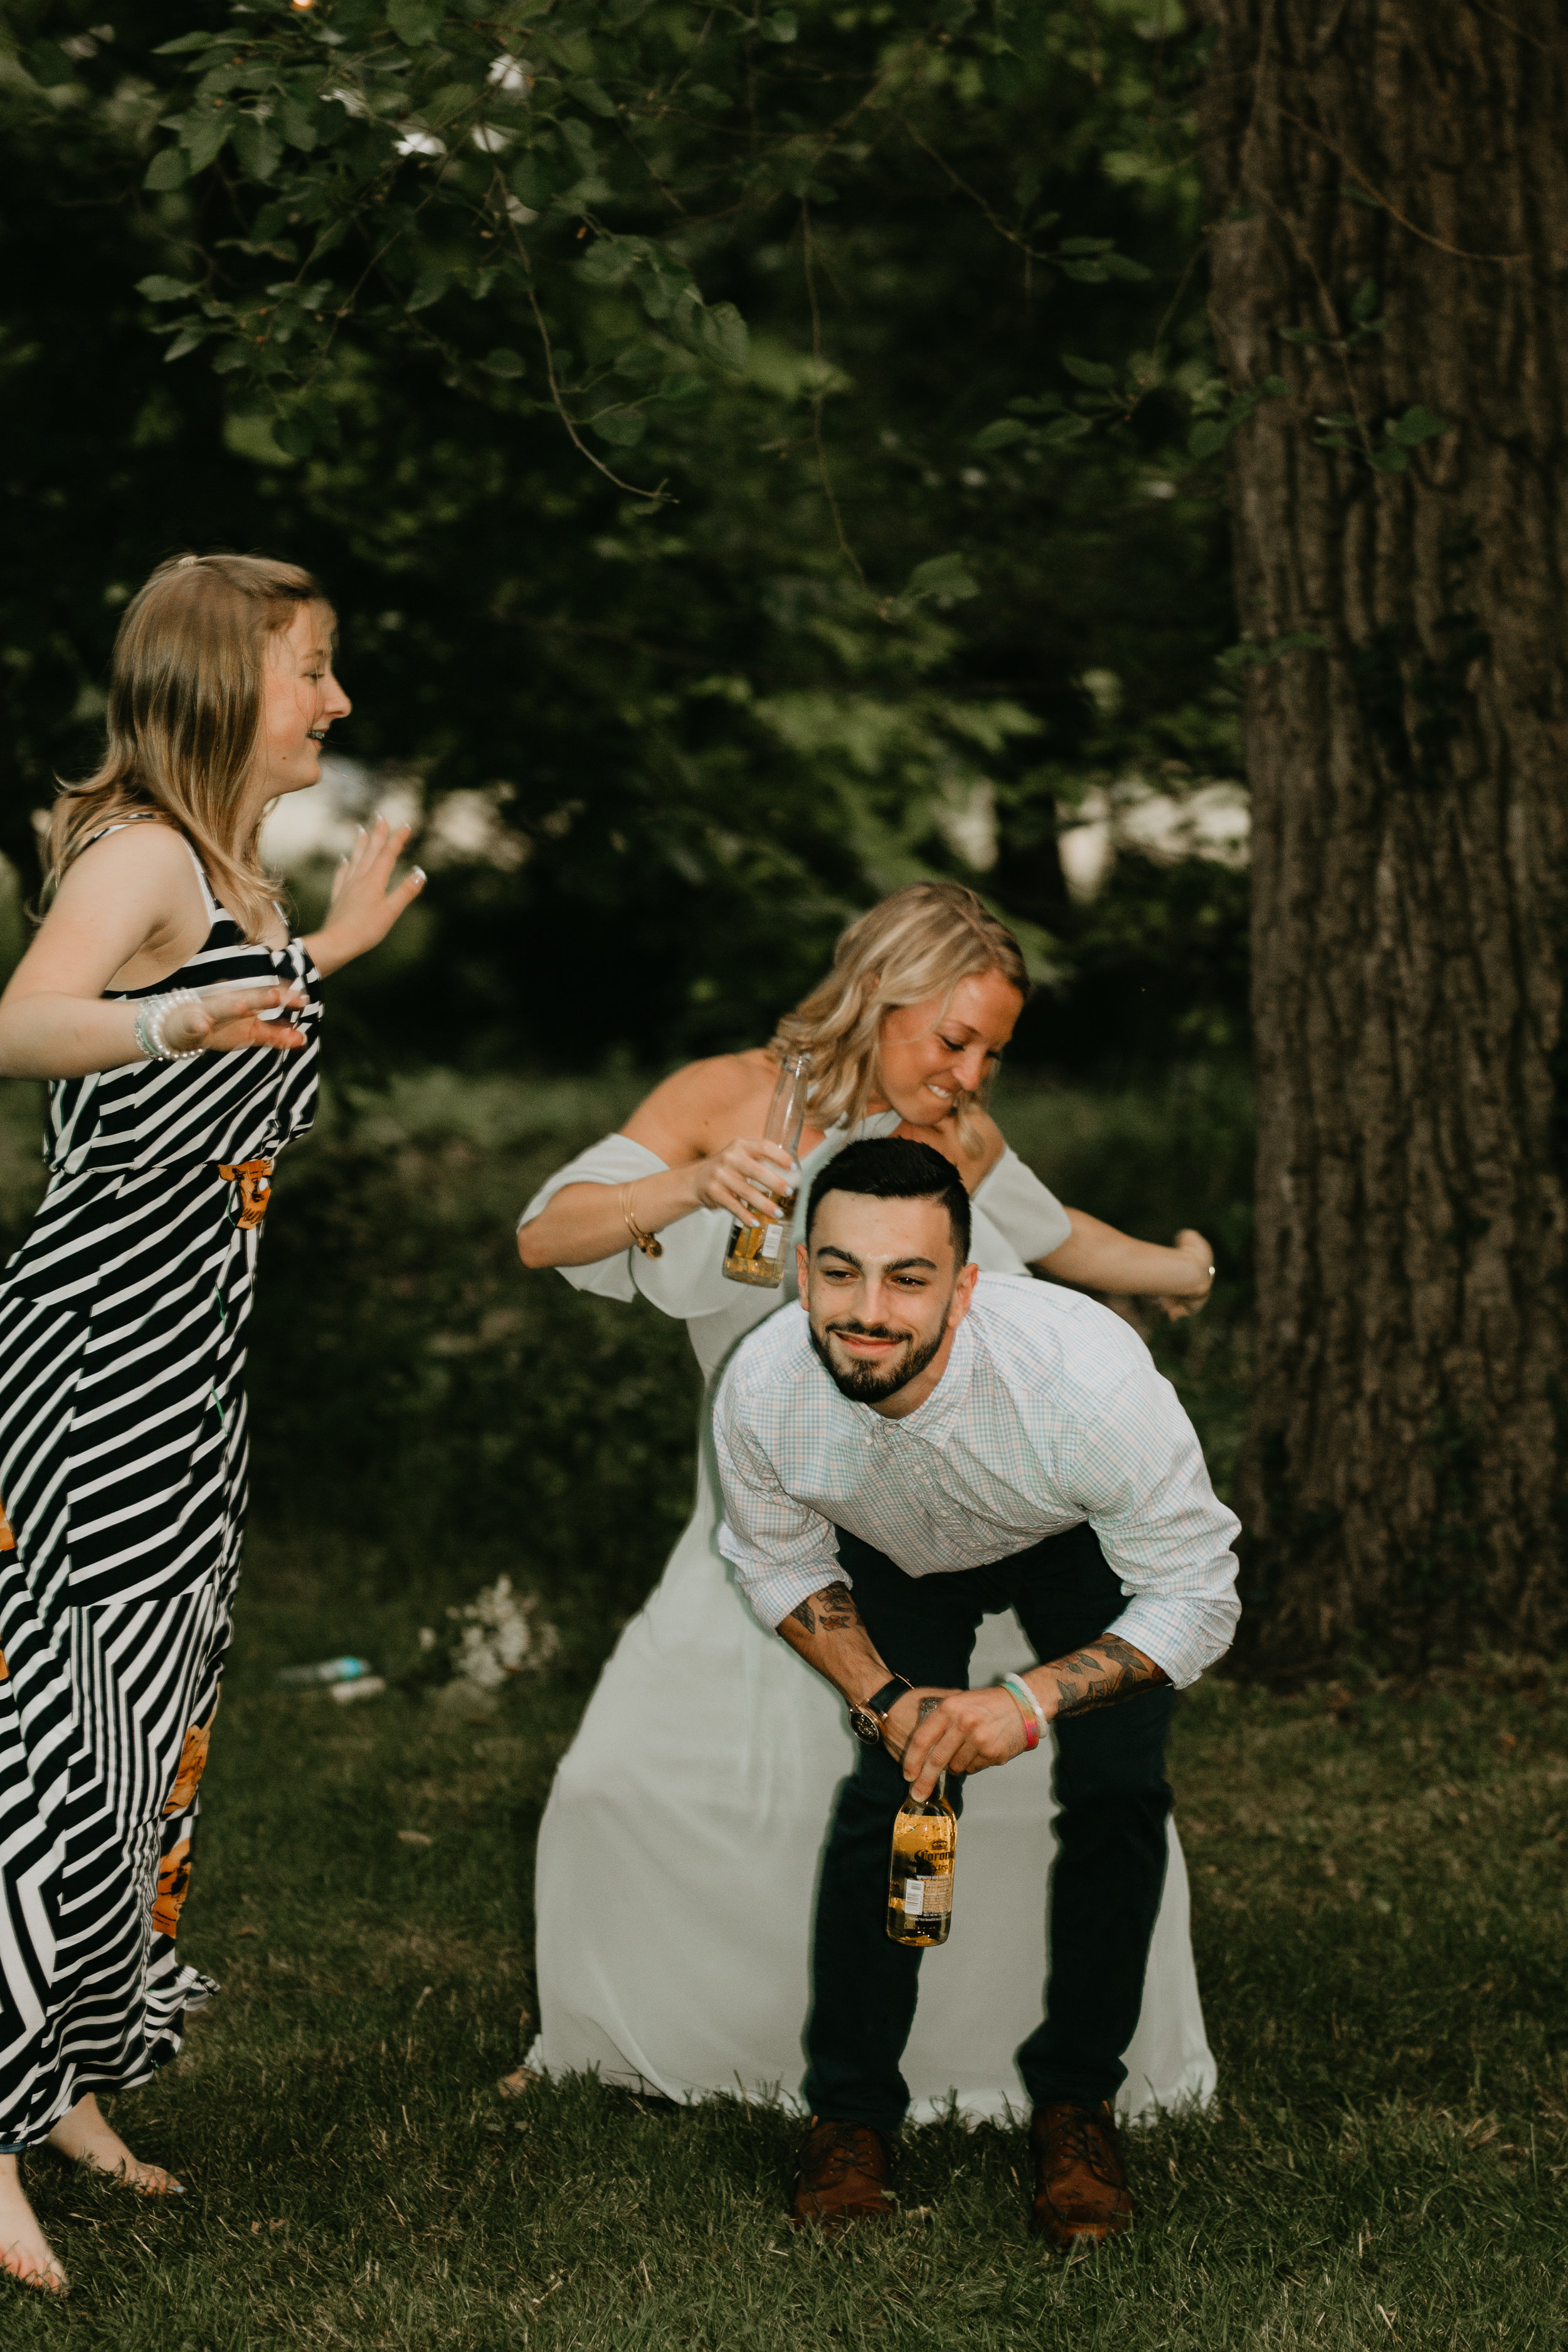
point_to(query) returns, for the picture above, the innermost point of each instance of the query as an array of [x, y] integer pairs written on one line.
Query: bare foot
[[88, 2138], [24, 2253]]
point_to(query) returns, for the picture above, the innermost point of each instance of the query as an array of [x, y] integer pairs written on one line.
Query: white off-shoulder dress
[[679, 1853]]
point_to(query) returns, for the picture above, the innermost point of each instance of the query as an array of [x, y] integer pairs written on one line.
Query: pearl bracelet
[[148, 1026]]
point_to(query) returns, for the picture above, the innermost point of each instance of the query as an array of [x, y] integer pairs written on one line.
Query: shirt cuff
[[1182, 1638], [773, 1593]]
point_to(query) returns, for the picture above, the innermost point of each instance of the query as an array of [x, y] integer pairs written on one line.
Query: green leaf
[[298, 123], [639, 361], [1354, 195], [1394, 460], [1338, 424], [296, 433], [1088, 245], [623, 428], [1297, 334], [1273, 387], [190, 41], [1365, 305], [1122, 264], [429, 287], [259, 149], [941, 575], [589, 94], [1416, 424], [530, 181], [454, 98], [1331, 441], [1084, 273], [229, 358], [415, 22], [1057, 435], [191, 333], [1208, 438], [781, 27], [720, 334], [203, 134], [49, 65], [685, 387], [1250, 655], [503, 362], [1005, 430], [167, 170], [1092, 371], [167, 289]]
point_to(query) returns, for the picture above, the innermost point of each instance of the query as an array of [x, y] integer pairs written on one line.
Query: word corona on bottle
[[920, 1884], [756, 1253]]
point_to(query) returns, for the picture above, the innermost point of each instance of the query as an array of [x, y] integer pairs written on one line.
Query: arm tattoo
[[831, 1611], [1108, 1670]]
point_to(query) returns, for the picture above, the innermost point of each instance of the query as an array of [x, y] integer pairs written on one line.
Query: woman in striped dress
[[176, 1020]]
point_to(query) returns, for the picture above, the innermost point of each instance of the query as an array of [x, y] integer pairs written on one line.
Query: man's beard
[[872, 1383]]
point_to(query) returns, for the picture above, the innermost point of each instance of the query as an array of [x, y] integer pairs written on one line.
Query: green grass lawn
[[1379, 1914]]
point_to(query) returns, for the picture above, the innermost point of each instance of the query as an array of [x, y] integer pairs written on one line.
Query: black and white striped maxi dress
[[123, 1476]]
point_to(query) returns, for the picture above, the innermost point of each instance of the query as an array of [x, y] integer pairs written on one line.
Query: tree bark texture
[[1402, 1484]]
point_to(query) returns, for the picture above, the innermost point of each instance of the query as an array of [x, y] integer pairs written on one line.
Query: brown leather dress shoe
[[843, 2177], [1080, 2183]]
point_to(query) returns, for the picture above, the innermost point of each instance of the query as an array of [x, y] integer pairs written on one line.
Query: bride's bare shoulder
[[705, 1106]]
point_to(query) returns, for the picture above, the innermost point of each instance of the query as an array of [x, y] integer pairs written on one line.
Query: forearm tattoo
[[831, 1611], [1108, 1670]]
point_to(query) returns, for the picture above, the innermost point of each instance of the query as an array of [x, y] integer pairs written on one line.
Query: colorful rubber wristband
[[1030, 1707]]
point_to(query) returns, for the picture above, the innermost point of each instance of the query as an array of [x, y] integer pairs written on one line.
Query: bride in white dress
[[678, 1851]]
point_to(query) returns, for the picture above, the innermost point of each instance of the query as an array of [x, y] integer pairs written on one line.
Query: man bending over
[[919, 1444]]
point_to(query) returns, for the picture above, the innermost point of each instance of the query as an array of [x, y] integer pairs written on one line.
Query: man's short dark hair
[[887, 1167]]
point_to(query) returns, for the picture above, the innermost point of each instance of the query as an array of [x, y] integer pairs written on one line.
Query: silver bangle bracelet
[[149, 1024]]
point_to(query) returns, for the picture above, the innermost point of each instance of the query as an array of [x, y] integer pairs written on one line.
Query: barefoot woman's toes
[[86, 2136], [26, 2254]]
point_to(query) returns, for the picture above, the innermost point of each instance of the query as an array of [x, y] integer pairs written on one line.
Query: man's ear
[[801, 1266], [962, 1295]]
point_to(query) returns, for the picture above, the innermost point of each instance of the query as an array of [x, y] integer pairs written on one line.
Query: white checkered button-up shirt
[[1050, 1412]]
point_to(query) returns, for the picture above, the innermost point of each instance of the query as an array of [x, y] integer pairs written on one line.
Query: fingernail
[[420, 875]]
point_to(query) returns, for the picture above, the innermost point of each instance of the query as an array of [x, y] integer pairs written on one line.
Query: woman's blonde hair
[[185, 719], [918, 944]]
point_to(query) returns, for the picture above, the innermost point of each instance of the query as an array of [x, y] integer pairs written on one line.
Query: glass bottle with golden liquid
[[919, 1884], [756, 1253]]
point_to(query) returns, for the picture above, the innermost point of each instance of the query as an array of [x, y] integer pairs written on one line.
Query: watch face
[[865, 1726]]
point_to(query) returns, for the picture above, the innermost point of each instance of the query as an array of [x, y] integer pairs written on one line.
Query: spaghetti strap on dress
[[122, 1478]]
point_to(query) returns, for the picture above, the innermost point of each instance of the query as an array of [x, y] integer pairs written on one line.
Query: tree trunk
[[1402, 1486]]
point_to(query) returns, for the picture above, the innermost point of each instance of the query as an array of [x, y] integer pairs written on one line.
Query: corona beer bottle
[[756, 1253], [919, 1884]]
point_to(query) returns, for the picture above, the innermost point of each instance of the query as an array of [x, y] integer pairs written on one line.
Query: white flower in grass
[[501, 1634]]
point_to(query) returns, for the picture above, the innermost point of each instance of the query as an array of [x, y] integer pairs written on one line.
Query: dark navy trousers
[[1109, 1869]]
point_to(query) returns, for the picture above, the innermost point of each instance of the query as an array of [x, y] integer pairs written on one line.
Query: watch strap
[[881, 1702]]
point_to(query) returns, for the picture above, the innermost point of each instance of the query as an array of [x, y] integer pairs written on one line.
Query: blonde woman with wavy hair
[[175, 1019], [679, 1853]]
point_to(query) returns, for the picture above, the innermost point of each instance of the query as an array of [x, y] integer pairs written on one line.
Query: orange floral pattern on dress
[[254, 1178], [193, 1764], [173, 1886]]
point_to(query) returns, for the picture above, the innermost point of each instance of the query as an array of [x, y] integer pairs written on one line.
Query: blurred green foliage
[[706, 734]]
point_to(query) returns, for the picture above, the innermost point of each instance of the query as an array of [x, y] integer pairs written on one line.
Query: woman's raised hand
[[746, 1179], [364, 906], [1192, 1245], [227, 1020]]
